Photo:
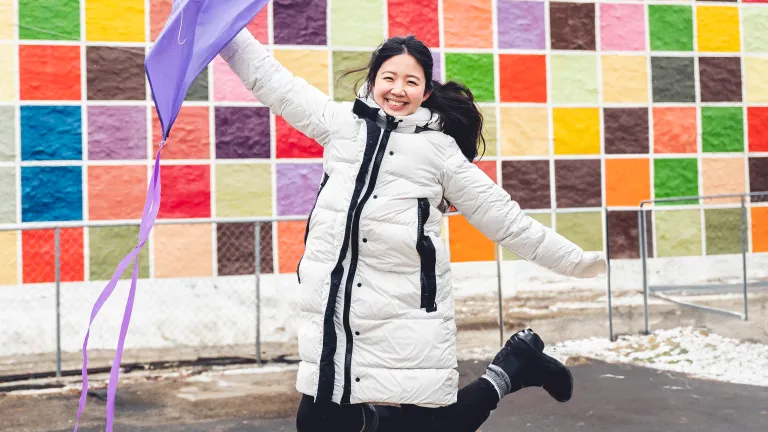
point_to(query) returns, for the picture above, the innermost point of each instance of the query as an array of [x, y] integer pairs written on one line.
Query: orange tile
[[290, 241], [467, 243], [468, 23], [104, 183], [189, 138], [627, 181], [523, 78], [759, 229], [183, 251], [674, 130], [49, 72]]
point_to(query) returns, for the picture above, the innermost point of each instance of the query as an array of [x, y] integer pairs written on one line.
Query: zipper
[[309, 218], [426, 250]]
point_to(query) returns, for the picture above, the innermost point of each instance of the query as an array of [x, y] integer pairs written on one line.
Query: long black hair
[[460, 117]]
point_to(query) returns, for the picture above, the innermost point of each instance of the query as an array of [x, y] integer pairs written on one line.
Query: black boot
[[522, 363]]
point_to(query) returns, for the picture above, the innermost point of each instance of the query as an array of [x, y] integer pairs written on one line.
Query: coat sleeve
[[490, 209], [302, 105]]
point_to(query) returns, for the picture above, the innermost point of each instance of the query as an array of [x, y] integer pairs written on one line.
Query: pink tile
[[622, 27], [227, 86]]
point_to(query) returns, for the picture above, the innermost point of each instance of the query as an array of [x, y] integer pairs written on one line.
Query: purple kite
[[196, 31]]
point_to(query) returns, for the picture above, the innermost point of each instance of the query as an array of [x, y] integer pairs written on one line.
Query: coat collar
[[421, 120]]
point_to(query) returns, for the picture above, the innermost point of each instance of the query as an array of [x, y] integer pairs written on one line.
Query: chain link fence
[[208, 291]]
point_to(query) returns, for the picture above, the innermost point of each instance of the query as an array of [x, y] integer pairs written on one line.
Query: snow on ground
[[697, 352], [693, 351]]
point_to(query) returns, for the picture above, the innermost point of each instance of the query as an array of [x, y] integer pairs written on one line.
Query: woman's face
[[400, 86]]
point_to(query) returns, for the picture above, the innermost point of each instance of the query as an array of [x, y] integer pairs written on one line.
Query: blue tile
[[51, 133], [51, 194]]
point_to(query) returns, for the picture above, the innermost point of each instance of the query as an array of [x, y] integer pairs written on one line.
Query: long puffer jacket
[[376, 298]]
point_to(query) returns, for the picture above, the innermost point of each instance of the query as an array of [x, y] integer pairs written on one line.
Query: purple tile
[[437, 66], [299, 22], [242, 132], [522, 24], [297, 186], [117, 132]]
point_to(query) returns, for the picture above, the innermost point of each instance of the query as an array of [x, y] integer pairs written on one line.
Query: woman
[[376, 298]]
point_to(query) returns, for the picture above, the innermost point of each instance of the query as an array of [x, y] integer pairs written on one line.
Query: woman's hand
[[591, 264]]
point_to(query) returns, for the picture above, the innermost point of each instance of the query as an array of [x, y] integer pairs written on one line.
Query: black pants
[[473, 407]]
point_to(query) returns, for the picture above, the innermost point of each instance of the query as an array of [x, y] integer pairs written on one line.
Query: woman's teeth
[[394, 104]]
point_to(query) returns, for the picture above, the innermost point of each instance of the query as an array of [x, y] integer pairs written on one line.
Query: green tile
[[7, 134], [544, 218], [671, 27], [489, 130], [357, 23], [49, 19], [344, 61], [675, 178], [754, 19], [198, 91], [474, 71], [243, 190], [723, 231], [722, 129], [583, 228], [7, 195], [574, 78], [678, 233], [109, 245]]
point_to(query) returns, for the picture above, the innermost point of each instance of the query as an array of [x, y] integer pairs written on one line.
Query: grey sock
[[499, 379]]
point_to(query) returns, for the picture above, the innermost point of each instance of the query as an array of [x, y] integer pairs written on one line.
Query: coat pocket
[[309, 219], [426, 250]]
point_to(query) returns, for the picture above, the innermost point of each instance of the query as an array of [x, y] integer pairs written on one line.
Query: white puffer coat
[[376, 298]]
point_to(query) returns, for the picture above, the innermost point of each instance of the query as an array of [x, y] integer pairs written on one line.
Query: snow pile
[[696, 352]]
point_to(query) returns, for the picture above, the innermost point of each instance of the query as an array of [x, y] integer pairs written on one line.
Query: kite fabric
[[195, 33]]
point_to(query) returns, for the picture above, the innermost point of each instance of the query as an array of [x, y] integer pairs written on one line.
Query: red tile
[[186, 191], [293, 144], [39, 255], [49, 72], [523, 78], [757, 118], [417, 17]]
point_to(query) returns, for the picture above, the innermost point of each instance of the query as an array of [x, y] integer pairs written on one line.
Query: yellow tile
[[312, 65], [577, 130], [717, 28], [7, 30], [8, 72], [524, 132], [625, 79], [8, 258], [756, 79], [489, 130], [114, 20]]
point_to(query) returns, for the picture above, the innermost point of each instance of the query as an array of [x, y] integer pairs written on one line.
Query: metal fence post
[[257, 274], [57, 270], [608, 276], [499, 252], [643, 254], [744, 251]]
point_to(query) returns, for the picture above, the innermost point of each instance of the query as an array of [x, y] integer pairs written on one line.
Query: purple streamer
[[196, 31]]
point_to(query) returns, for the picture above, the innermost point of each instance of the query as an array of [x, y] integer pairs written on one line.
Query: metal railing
[[656, 291], [70, 322]]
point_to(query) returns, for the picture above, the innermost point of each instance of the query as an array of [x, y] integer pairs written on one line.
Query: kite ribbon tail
[[151, 207]]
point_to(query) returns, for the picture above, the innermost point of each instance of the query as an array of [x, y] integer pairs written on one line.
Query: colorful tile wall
[[587, 105]]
